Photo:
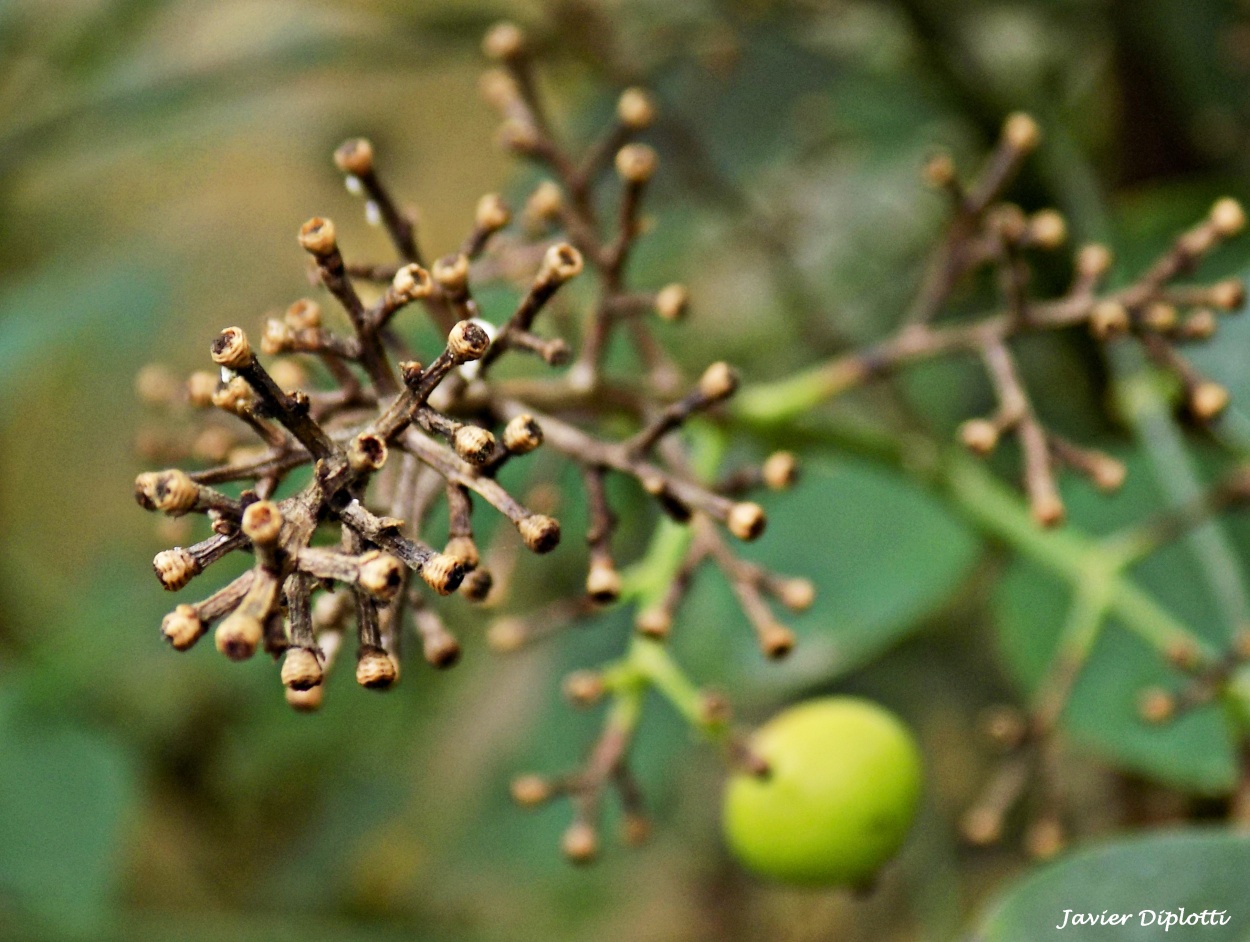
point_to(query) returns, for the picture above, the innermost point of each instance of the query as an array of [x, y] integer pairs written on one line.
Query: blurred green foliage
[[156, 157]]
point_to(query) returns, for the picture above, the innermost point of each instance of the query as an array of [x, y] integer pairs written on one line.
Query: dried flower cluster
[[389, 439]]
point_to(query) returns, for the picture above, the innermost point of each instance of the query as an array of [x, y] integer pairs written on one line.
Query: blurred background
[[156, 160]]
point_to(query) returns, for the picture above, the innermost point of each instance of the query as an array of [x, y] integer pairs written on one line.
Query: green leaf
[[1195, 752], [1191, 870]]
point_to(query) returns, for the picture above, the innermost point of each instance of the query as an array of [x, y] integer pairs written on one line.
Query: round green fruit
[[841, 792]]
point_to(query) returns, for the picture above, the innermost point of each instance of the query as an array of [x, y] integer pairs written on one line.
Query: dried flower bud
[[636, 163], [234, 396], [367, 452], [231, 349], [171, 492], [175, 568], [381, 575], [1228, 295], [746, 521], [262, 522], [474, 444], [528, 791], [301, 669], [1199, 325], [492, 213], [522, 435], [182, 627], [979, 436], [1094, 260], [560, 263], [1107, 473], [477, 585], [303, 314], [939, 171], [305, 701], [443, 573], [719, 381], [1048, 229], [776, 640], [355, 157], [374, 669], [1227, 218], [1207, 400], [603, 582], [1049, 511], [238, 636], [467, 341], [654, 622], [584, 688], [580, 843], [1160, 317], [201, 385], [440, 649], [546, 202], [540, 532], [671, 302], [506, 635], [451, 272], [464, 549], [317, 237], [797, 594], [1108, 320], [635, 109], [780, 470], [1021, 132], [412, 282], [504, 42]]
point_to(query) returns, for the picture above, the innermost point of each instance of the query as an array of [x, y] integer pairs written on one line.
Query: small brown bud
[[451, 272], [1227, 218], [671, 302], [522, 435], [1021, 132], [528, 791], [746, 521], [1160, 317], [635, 109], [464, 549], [234, 396], [374, 669], [636, 163], [1107, 473], [467, 341], [175, 568], [1199, 325], [561, 263], [540, 532], [797, 594], [355, 157], [171, 492], [979, 436], [776, 640], [412, 282], [654, 622], [504, 42], [317, 237], [477, 585], [182, 627], [1049, 511], [1229, 294], [303, 314], [1207, 400], [506, 635], [584, 688], [1108, 320], [580, 843], [939, 171], [492, 213], [546, 202], [474, 444], [1048, 229], [262, 522], [1094, 260], [305, 701], [719, 381], [443, 573], [238, 636], [301, 669], [381, 575], [367, 452], [780, 470], [201, 385], [603, 582], [440, 649], [231, 349]]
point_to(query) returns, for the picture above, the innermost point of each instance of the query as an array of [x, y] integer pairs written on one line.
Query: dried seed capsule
[[780, 470], [671, 302], [301, 669], [443, 573], [474, 444], [464, 549], [719, 381], [1227, 218], [1229, 295], [467, 341], [381, 575], [231, 349], [171, 492], [367, 452], [530, 790], [979, 436], [182, 627], [560, 263], [238, 636], [540, 532], [580, 843], [1021, 132], [303, 315], [654, 622], [317, 237], [584, 688], [1094, 260], [201, 385], [636, 163], [797, 594], [546, 202], [1108, 320], [175, 568], [412, 282], [451, 272], [776, 640], [492, 213], [355, 157], [1048, 229], [477, 585], [635, 109], [1207, 400], [746, 521], [506, 635], [603, 583], [374, 669], [504, 42], [1049, 511], [262, 522], [522, 435]]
